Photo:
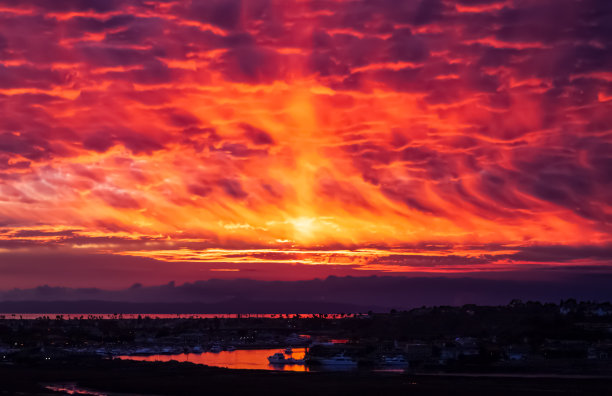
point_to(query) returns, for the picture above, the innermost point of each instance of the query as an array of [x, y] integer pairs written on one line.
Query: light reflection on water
[[73, 389], [254, 359]]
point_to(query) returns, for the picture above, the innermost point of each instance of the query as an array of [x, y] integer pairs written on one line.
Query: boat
[[397, 360], [101, 351], [279, 358], [338, 360], [216, 348], [230, 348], [321, 343], [288, 350]]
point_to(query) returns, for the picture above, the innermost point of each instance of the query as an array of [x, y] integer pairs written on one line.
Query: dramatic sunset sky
[[155, 141]]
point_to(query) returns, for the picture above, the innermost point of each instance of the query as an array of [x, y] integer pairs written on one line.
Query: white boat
[[101, 351], [279, 358], [288, 350], [338, 360], [319, 343], [216, 348], [397, 360], [230, 348]]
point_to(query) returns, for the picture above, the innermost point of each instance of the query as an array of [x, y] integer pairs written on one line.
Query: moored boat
[[338, 360], [397, 360], [280, 359]]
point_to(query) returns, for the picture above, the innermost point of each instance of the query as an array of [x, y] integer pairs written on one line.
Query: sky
[[332, 294], [156, 141]]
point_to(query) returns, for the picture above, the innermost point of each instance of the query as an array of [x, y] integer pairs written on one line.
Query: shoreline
[[181, 378]]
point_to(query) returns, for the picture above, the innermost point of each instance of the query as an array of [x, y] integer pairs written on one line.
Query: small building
[[601, 351]]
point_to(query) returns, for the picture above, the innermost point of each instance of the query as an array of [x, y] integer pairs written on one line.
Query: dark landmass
[[173, 378], [526, 348], [342, 294]]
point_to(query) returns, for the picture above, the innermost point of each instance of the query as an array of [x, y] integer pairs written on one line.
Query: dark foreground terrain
[[142, 378]]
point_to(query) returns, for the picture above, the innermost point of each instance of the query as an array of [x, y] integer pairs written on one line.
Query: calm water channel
[[256, 359]]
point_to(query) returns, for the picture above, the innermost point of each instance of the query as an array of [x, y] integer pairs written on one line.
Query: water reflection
[[254, 359], [73, 389]]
